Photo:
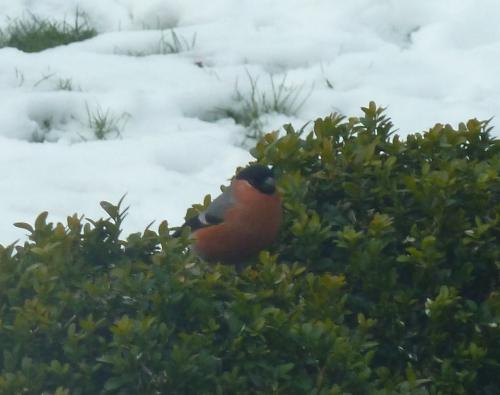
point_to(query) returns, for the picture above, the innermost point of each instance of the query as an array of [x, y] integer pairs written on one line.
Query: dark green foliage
[[33, 34], [385, 281], [84, 311], [414, 226]]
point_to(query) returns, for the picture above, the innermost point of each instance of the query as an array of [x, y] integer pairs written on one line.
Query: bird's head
[[260, 177]]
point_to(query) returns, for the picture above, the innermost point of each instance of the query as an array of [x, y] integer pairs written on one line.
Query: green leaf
[[24, 225]]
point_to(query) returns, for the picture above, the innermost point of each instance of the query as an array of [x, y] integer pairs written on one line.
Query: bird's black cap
[[260, 177]]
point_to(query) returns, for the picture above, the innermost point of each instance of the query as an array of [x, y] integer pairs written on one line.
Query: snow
[[427, 61]]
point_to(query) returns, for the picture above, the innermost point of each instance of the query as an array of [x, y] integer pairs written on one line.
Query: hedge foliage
[[385, 281]]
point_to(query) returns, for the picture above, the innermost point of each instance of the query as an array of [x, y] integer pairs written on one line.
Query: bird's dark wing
[[213, 215]]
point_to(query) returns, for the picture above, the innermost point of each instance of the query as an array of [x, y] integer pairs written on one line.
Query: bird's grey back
[[214, 213]]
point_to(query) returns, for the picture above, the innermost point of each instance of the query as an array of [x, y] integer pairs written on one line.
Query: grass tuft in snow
[[175, 43], [33, 34], [65, 84], [20, 78], [251, 106], [104, 123], [48, 80], [168, 44], [44, 78]]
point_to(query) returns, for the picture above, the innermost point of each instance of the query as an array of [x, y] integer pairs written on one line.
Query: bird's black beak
[[268, 186]]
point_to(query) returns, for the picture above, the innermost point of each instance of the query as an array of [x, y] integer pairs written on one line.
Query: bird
[[244, 220]]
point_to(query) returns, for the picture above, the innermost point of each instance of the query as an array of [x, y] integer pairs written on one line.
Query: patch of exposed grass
[[33, 34], [20, 78], [65, 84], [175, 43], [104, 123], [44, 78], [48, 79], [169, 43], [250, 107]]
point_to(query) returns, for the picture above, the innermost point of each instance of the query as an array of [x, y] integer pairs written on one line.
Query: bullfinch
[[240, 222]]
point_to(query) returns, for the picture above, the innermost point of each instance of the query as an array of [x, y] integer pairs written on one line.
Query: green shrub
[[414, 226], [385, 281], [33, 34]]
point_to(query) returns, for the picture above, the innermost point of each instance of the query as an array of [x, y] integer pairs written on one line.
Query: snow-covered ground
[[428, 61]]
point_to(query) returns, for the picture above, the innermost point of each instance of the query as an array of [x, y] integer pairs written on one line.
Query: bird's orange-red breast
[[242, 221]]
